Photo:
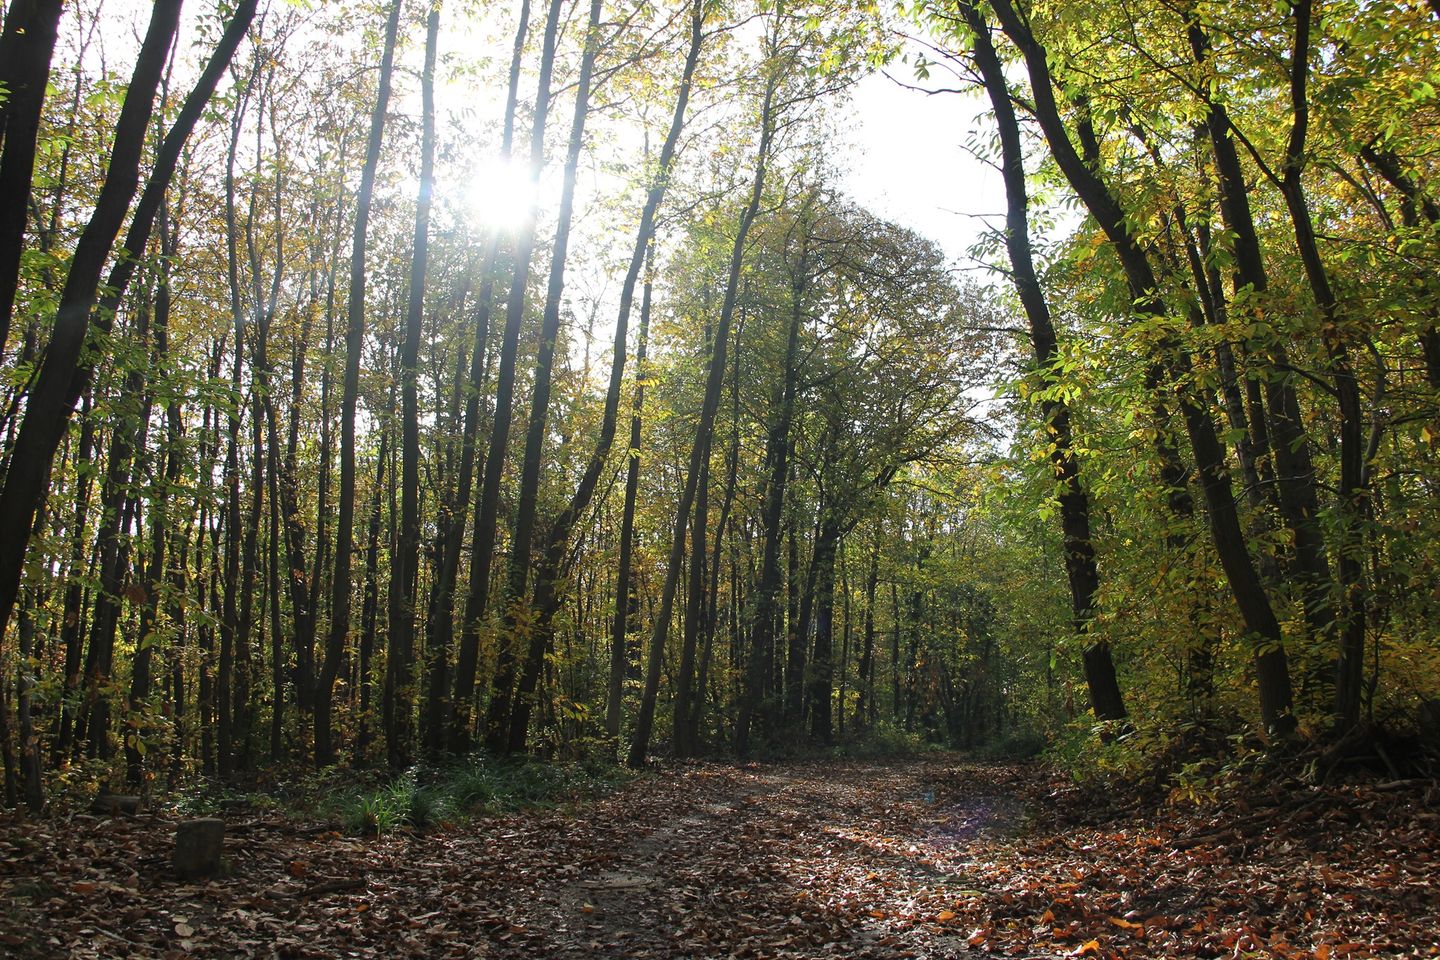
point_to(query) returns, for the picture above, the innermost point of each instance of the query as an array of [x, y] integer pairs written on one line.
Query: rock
[[198, 845], [115, 804]]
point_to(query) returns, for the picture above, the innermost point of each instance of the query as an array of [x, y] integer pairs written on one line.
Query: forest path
[[929, 857]]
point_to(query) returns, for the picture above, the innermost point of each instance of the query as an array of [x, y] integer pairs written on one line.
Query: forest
[[507, 416]]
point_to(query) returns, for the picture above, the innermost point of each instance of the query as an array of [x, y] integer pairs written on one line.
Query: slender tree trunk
[[777, 460], [354, 345], [640, 744], [370, 606], [822, 668], [441, 626], [1080, 567], [1353, 495], [1271, 664], [685, 734], [1295, 472], [517, 629], [73, 603], [488, 515], [627, 603], [26, 47], [155, 577], [399, 708], [63, 376], [865, 680], [551, 570]]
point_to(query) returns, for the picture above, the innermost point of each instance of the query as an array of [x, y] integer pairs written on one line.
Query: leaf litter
[[928, 857]]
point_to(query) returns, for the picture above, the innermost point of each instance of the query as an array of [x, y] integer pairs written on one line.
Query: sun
[[500, 195]]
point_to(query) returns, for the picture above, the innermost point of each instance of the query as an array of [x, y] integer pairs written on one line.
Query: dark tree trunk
[[685, 734], [488, 515], [1080, 568], [715, 375], [440, 628], [26, 47], [370, 605], [399, 707], [777, 461], [551, 570], [1353, 496], [821, 680], [1295, 473], [354, 345], [155, 578], [865, 679], [627, 603], [63, 377], [1271, 664], [514, 636], [74, 600]]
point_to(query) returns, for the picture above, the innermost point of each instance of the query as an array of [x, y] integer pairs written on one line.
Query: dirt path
[[928, 858]]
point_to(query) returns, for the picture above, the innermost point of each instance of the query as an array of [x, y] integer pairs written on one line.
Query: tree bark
[[399, 707], [517, 629], [26, 48], [488, 514], [350, 390], [640, 744]]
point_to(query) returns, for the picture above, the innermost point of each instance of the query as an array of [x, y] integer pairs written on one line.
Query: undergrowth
[[425, 797], [371, 802]]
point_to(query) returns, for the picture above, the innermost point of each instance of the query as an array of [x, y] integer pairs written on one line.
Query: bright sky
[[910, 167]]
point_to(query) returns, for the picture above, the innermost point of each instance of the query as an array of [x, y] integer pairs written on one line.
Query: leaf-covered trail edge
[[930, 857]]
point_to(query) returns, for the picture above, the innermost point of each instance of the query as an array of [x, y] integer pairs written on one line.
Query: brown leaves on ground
[[917, 858]]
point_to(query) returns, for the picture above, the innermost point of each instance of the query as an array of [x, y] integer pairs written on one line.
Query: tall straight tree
[[400, 688], [1080, 568], [547, 595], [64, 371], [626, 601], [350, 391], [26, 47], [516, 631], [440, 627], [777, 468], [488, 516], [774, 72]]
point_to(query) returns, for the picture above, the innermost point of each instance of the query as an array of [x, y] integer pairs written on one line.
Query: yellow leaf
[[946, 916]]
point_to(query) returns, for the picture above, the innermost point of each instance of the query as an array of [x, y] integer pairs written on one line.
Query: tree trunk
[[63, 377], [488, 514], [26, 47], [640, 744], [350, 390], [1271, 664], [777, 461], [402, 679], [821, 684], [517, 630]]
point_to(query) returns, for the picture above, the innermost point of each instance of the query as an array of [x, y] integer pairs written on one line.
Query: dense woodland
[[381, 382]]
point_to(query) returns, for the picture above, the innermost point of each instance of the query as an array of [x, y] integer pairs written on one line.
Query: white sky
[[909, 165]]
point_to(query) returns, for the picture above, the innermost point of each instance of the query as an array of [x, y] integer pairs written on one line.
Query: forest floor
[[938, 856]]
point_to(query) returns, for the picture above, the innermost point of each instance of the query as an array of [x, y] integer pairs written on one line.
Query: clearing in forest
[[931, 857]]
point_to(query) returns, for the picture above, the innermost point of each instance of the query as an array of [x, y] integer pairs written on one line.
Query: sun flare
[[500, 195]]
